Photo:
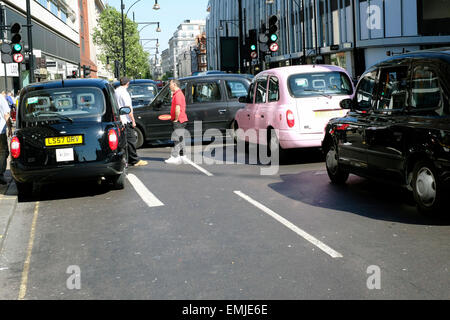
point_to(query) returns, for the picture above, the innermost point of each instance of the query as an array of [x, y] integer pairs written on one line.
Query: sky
[[170, 16]]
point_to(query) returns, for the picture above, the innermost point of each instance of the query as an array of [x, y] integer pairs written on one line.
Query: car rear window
[[316, 84], [73, 103], [142, 94]]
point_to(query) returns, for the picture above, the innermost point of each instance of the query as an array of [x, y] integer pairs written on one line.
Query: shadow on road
[[359, 196], [69, 190]]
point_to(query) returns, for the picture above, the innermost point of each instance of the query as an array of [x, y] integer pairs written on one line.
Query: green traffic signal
[[253, 47], [274, 37], [17, 47]]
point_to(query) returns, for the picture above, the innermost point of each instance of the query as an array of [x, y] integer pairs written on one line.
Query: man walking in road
[[5, 132], [179, 120], [124, 100]]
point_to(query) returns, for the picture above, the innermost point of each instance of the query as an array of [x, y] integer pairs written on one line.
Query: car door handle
[[223, 111]]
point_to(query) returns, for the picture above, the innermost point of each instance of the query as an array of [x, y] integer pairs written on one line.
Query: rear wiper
[[319, 92], [56, 114]]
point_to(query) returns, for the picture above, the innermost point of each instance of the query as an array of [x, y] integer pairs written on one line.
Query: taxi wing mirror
[[347, 104], [243, 99], [124, 111]]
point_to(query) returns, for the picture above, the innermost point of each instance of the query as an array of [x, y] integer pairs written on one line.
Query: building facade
[[165, 62], [56, 40], [354, 34], [182, 41], [99, 70]]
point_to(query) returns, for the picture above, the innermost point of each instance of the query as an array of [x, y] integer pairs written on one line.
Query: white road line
[[188, 161], [148, 197], [300, 232]]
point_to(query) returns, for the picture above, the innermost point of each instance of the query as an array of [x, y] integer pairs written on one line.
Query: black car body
[[398, 127], [142, 91], [212, 99], [68, 130]]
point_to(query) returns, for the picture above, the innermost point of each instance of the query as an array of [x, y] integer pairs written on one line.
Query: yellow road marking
[[26, 266]]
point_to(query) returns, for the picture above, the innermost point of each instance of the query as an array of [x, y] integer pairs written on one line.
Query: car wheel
[[427, 189], [234, 127], [140, 138], [334, 170], [119, 181], [274, 146], [24, 189]]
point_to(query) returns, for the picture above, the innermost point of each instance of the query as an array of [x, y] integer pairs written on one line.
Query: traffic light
[[86, 71], [16, 43], [273, 36], [117, 69], [253, 44], [74, 74]]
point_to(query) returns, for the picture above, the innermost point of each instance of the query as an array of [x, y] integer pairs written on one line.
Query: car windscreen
[[62, 103], [142, 94], [322, 83]]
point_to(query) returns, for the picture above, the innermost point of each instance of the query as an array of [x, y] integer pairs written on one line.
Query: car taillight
[[290, 118], [15, 147], [113, 140]]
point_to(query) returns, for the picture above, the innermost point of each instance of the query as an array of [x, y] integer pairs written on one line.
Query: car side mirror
[[347, 104], [124, 111], [243, 100]]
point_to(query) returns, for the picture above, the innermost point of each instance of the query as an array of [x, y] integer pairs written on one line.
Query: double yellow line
[[26, 266]]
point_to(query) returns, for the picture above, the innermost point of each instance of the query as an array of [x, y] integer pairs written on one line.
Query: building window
[[43, 3], [64, 16], [434, 17], [54, 8]]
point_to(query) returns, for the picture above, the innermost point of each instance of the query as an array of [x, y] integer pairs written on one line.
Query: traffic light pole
[[30, 42], [241, 39], [2, 36]]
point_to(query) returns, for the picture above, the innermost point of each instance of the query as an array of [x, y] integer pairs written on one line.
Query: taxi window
[[73, 103]]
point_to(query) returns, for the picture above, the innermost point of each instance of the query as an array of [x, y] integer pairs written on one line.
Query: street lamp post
[[122, 8], [124, 61]]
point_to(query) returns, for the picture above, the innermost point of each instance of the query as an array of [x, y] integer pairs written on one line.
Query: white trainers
[[184, 159], [173, 160]]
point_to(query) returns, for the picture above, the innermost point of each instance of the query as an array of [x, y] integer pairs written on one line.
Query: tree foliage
[[108, 36]]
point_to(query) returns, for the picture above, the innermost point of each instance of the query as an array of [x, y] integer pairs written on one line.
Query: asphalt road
[[225, 232]]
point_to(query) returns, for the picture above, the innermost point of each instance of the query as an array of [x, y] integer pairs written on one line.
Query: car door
[[351, 129], [208, 103], [235, 88], [266, 110], [385, 135], [258, 114], [243, 116]]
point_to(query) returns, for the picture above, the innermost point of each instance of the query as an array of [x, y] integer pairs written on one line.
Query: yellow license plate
[[329, 114], [63, 141]]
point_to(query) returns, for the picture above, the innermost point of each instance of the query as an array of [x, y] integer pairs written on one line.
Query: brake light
[[113, 140], [290, 118], [15, 147]]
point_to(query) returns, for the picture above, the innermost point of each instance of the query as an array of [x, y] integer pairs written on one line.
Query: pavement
[[8, 202]]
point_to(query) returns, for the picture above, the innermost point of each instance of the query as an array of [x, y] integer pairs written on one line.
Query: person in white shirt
[[124, 100], [5, 132]]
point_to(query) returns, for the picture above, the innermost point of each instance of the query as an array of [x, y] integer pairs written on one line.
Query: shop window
[[434, 17]]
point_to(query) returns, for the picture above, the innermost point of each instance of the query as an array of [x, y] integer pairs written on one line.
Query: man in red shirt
[[179, 120]]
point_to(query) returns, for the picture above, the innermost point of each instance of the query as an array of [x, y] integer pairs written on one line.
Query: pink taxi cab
[[289, 107]]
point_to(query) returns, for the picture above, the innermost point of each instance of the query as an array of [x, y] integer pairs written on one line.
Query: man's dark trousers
[[132, 156], [178, 139]]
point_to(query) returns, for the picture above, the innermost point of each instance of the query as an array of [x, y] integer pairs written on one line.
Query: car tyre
[[119, 181], [427, 189], [139, 138], [233, 128], [335, 172], [25, 189], [274, 146]]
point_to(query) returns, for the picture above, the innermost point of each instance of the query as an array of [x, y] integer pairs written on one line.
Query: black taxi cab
[[398, 128], [66, 130]]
